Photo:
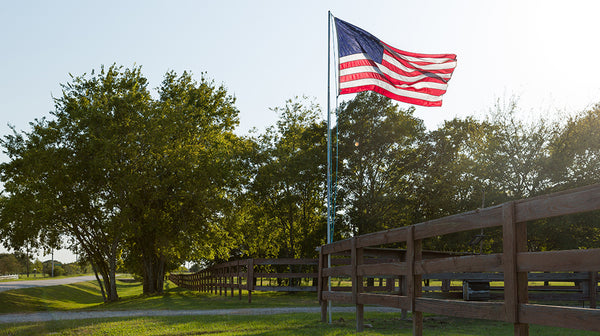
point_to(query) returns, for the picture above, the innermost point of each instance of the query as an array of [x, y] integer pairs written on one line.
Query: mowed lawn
[[86, 296]]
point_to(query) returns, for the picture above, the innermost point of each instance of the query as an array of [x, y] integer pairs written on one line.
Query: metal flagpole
[[329, 219]]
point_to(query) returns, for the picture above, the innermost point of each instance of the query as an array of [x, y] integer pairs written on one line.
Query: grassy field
[[281, 325], [85, 296]]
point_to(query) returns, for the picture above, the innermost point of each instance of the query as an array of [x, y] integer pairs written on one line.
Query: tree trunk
[[154, 272], [112, 270], [99, 282]]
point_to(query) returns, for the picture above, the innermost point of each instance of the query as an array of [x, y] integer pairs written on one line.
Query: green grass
[[86, 296], [284, 324]]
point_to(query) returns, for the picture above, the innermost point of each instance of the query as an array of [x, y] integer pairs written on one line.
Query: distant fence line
[[515, 267], [257, 274], [9, 277]]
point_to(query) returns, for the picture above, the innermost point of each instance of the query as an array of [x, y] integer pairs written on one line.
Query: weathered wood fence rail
[[515, 266], [285, 275]]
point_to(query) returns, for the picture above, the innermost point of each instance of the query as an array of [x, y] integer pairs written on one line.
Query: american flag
[[366, 63]]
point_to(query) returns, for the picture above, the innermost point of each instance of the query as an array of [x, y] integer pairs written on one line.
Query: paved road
[[8, 285], [78, 315]]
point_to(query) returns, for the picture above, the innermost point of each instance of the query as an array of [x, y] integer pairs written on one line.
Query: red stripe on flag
[[391, 81], [411, 54], [390, 95]]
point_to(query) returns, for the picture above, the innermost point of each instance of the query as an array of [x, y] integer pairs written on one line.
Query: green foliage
[[123, 174], [9, 264], [378, 161], [284, 202]]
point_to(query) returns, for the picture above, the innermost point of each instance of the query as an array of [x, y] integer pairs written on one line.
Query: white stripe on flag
[[384, 71], [390, 88]]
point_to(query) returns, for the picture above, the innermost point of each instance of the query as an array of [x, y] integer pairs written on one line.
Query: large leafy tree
[[517, 152], [119, 171], [574, 162], [575, 152], [60, 177], [378, 157], [184, 181], [287, 215]]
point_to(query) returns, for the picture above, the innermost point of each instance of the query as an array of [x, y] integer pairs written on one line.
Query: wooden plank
[[478, 219], [555, 277], [286, 275], [386, 300], [474, 263], [556, 261], [343, 297], [564, 317], [382, 237], [394, 269], [338, 271], [338, 246], [465, 276], [556, 296], [560, 277], [378, 252], [285, 261], [471, 309], [286, 288], [559, 204]]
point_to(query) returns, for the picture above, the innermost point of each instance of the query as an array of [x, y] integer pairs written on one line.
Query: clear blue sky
[[265, 52]]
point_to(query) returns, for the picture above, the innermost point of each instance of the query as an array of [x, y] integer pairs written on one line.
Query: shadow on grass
[[81, 295], [64, 297], [281, 325]]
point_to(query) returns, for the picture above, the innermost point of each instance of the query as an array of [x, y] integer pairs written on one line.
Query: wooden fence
[[515, 265], [284, 275]]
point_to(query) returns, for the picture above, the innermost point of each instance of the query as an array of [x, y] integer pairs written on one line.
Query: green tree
[[9, 264], [123, 173], [184, 156], [574, 162], [575, 152], [517, 152], [378, 158], [288, 216], [450, 179]]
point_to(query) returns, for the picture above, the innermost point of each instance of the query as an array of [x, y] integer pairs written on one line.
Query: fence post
[[250, 279], [402, 285], [239, 279], [356, 256], [414, 252], [593, 289], [231, 273], [321, 285], [213, 282], [514, 240]]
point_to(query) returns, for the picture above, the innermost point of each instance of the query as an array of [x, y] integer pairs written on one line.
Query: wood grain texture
[[564, 317], [470, 309], [475, 263]]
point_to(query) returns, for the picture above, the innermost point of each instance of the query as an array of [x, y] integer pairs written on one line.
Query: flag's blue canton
[[353, 40]]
